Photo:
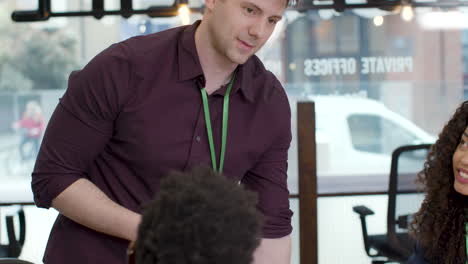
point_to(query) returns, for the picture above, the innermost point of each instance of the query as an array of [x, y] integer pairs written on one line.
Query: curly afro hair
[[199, 217], [439, 224]]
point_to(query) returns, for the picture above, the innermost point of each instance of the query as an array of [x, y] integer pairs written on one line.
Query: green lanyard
[[209, 131], [466, 240]]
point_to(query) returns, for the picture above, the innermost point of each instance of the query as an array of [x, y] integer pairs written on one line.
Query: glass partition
[[378, 82], [35, 62]]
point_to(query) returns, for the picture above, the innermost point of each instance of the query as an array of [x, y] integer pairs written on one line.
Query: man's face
[[239, 28]]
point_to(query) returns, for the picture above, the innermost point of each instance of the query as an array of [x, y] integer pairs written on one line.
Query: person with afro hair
[[199, 217], [439, 225]]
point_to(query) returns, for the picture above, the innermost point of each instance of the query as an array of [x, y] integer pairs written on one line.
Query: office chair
[[14, 246], [13, 261], [404, 199]]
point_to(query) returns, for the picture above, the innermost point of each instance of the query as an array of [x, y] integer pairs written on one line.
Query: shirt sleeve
[[81, 124], [268, 178]]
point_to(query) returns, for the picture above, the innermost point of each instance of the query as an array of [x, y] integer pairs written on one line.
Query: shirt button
[[198, 139]]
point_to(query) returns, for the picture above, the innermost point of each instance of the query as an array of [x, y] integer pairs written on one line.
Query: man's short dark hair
[[199, 217]]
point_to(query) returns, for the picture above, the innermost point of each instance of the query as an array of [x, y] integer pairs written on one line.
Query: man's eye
[[249, 10], [272, 21]]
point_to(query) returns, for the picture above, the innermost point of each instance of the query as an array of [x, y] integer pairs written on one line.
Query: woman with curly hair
[[199, 217], [439, 226]]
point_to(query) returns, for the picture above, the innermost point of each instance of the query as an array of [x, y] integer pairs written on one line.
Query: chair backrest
[[404, 193], [14, 246]]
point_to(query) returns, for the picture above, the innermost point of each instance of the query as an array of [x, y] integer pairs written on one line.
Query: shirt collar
[[189, 64], [190, 67]]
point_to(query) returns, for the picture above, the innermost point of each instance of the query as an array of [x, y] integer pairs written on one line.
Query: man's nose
[[258, 29]]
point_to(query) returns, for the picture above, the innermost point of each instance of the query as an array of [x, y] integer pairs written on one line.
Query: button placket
[[196, 149]]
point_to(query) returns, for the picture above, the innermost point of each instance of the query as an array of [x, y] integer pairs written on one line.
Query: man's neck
[[216, 67]]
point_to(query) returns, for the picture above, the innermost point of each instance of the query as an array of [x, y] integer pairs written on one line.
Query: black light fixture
[[42, 13], [98, 11], [388, 5], [126, 8]]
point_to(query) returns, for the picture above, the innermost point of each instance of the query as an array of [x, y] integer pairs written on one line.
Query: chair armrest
[[14, 245], [22, 226], [14, 248], [362, 210]]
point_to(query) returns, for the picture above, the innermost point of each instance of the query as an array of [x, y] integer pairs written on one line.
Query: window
[[375, 134]]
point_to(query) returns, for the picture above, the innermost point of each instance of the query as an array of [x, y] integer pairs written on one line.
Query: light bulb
[[378, 21], [184, 14], [407, 13]]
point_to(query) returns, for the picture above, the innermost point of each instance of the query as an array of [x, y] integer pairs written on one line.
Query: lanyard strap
[[209, 130], [466, 240]]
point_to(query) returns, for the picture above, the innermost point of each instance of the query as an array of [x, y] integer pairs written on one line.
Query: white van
[[355, 136]]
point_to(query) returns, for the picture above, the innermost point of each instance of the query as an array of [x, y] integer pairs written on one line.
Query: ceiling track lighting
[[387, 5], [43, 12]]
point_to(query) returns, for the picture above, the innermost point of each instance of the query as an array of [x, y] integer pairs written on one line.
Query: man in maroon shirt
[[157, 103]]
